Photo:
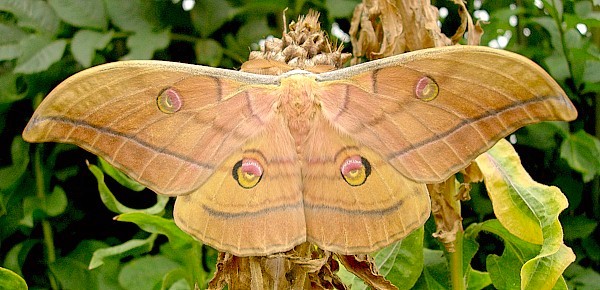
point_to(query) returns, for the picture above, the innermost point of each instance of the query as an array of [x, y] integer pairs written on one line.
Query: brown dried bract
[[304, 267], [445, 208], [382, 28], [445, 204]]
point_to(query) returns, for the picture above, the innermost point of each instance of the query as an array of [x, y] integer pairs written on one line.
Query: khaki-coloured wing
[[168, 125], [355, 201], [430, 113], [250, 215]]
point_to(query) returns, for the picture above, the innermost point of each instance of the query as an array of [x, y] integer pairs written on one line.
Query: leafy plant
[[55, 234]]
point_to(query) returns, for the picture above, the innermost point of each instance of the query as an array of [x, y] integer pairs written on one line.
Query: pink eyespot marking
[[251, 166], [169, 101], [350, 164], [426, 89], [247, 172], [355, 170]]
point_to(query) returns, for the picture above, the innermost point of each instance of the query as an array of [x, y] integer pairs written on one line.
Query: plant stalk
[[456, 263], [563, 41], [49, 250]]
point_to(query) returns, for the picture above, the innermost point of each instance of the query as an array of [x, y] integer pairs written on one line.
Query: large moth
[[262, 163]]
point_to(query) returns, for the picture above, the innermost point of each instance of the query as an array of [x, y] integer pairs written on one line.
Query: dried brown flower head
[[305, 46]]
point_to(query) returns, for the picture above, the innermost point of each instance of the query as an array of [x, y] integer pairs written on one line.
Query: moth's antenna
[[284, 21]]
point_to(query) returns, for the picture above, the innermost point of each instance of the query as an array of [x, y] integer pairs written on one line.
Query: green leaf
[[263, 7], [550, 25], [470, 246], [435, 271], [73, 274], [528, 210], [159, 225], [16, 256], [144, 43], [19, 151], [208, 16], [505, 270], [35, 14], [111, 202], [11, 33], [582, 152], [9, 280], [583, 8], [56, 202], [573, 39], [401, 263], [189, 257], [108, 274], [340, 8], [71, 270], [590, 20], [9, 51], [558, 65], [63, 174], [130, 248], [582, 278], [181, 284], [9, 42], [89, 13], [146, 272], [175, 280], [253, 30], [208, 52], [478, 280], [119, 176], [592, 248], [53, 204], [86, 42], [543, 135], [39, 53], [591, 71], [577, 54], [555, 7], [130, 15], [572, 188], [591, 88], [577, 227]]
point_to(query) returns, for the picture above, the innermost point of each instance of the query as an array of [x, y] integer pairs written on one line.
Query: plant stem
[[449, 231], [46, 227], [558, 19], [456, 263], [199, 275]]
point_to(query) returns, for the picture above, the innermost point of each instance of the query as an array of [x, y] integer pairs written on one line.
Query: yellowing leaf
[[528, 210], [513, 192]]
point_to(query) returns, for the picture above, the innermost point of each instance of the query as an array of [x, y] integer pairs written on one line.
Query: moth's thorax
[[298, 104]]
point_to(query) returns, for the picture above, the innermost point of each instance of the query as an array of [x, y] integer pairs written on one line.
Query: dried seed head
[[305, 46]]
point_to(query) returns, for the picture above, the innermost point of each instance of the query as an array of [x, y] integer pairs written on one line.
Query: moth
[[261, 163]]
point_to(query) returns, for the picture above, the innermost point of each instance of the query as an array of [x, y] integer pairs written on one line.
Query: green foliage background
[[57, 229]]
